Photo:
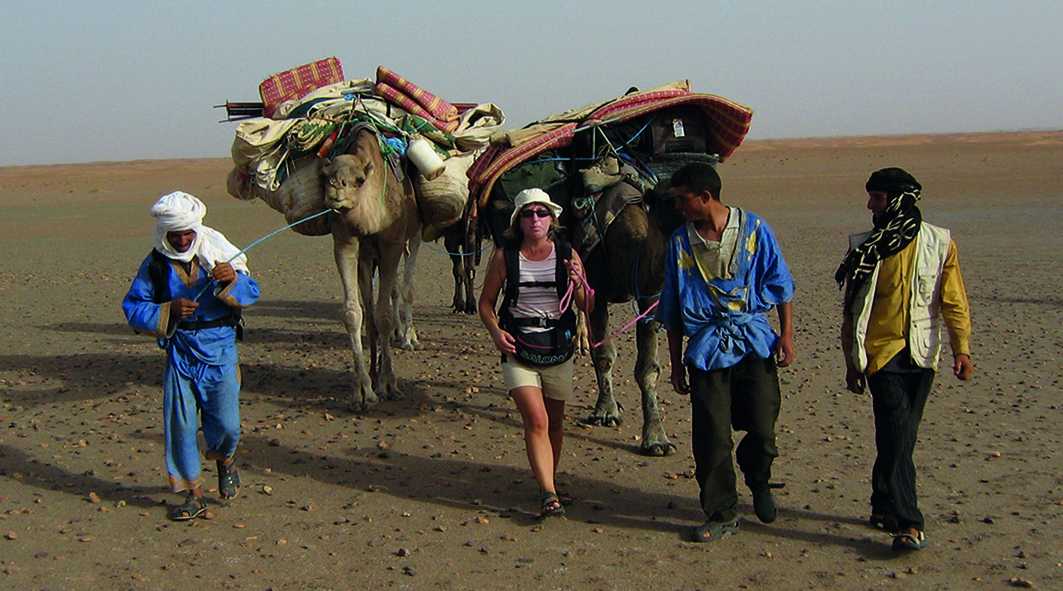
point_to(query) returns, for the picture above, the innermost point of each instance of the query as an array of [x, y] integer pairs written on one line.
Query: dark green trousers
[[743, 397]]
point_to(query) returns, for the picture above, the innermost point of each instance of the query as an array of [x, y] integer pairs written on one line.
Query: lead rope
[[262, 239]]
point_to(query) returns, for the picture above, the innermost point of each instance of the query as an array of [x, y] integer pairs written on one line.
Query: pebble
[[11, 535], [1020, 582], [408, 571], [267, 489], [402, 552], [94, 498]]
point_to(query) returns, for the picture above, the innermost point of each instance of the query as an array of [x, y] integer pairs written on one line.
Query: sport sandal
[[551, 505], [228, 480], [909, 539]]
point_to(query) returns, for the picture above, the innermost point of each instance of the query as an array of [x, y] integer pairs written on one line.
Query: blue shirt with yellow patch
[[725, 318]]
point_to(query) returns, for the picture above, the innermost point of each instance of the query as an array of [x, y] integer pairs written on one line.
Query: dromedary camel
[[375, 224], [629, 263]]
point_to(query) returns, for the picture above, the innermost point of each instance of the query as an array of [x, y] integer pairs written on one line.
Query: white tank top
[[538, 302]]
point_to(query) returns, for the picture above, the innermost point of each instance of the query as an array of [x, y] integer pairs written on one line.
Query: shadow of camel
[[91, 376]]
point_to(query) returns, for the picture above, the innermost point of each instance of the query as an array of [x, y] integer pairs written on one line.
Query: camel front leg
[[345, 249], [452, 243], [385, 380], [367, 264], [405, 332], [583, 334], [607, 411], [647, 369]]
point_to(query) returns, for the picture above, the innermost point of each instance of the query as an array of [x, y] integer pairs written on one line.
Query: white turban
[[180, 211]]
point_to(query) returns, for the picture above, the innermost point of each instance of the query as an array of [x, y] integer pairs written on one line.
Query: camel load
[[311, 114], [638, 139]]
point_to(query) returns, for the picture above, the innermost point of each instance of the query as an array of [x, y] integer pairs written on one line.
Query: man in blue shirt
[[188, 293], [724, 272]]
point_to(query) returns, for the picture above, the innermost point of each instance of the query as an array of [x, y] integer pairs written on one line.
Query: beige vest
[[924, 318]]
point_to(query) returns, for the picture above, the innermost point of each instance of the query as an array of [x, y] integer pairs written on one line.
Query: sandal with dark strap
[[551, 506], [909, 539], [192, 508], [710, 531], [228, 480], [566, 499]]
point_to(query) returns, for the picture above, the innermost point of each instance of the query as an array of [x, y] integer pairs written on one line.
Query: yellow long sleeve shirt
[[887, 327]]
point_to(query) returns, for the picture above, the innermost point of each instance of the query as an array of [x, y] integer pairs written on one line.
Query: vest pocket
[[924, 289]]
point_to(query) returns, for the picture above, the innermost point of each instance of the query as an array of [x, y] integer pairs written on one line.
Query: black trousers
[[744, 397], [899, 398]]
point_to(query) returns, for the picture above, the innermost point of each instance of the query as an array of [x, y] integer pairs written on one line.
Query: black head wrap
[[895, 227]]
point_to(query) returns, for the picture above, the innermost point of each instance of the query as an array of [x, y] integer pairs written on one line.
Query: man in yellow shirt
[[902, 279]]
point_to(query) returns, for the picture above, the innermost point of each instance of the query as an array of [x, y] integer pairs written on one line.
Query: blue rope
[[258, 241]]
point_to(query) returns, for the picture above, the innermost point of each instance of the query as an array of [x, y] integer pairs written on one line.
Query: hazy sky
[[85, 81]]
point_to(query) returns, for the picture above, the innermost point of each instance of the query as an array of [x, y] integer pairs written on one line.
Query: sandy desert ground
[[433, 491]]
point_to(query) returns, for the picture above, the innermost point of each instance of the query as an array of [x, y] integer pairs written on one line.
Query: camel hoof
[[598, 420], [364, 398], [470, 307], [392, 393], [658, 449]]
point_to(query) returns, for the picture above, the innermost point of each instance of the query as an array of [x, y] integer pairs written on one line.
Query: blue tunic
[[725, 317], [211, 346]]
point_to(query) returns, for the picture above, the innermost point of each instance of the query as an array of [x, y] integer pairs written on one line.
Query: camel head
[[346, 175]]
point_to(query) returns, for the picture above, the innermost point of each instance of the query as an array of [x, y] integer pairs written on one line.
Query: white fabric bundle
[[179, 211]]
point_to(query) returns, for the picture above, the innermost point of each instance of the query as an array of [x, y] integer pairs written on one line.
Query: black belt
[[539, 321], [201, 324]]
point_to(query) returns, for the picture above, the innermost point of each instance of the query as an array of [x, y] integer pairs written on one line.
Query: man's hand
[[182, 308], [504, 341], [679, 380], [855, 380], [784, 351], [224, 273], [962, 366]]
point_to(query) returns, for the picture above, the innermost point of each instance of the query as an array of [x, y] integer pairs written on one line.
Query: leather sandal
[[192, 508], [228, 480]]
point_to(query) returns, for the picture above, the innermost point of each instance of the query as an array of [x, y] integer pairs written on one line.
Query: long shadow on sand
[[23, 469], [505, 490]]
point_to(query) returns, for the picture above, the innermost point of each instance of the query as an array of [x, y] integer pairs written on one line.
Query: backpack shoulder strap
[[159, 272], [512, 287]]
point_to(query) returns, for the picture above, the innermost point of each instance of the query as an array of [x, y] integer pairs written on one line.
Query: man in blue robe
[[724, 272], [188, 293]]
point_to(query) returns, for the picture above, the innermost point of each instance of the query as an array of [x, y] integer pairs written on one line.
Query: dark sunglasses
[[527, 213]]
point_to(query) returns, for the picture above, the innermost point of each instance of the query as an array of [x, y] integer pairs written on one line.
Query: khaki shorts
[[555, 381]]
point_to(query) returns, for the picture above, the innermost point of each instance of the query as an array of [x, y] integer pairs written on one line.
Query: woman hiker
[[541, 278], [198, 328]]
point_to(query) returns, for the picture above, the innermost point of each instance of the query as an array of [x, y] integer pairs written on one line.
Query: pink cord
[[626, 327]]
